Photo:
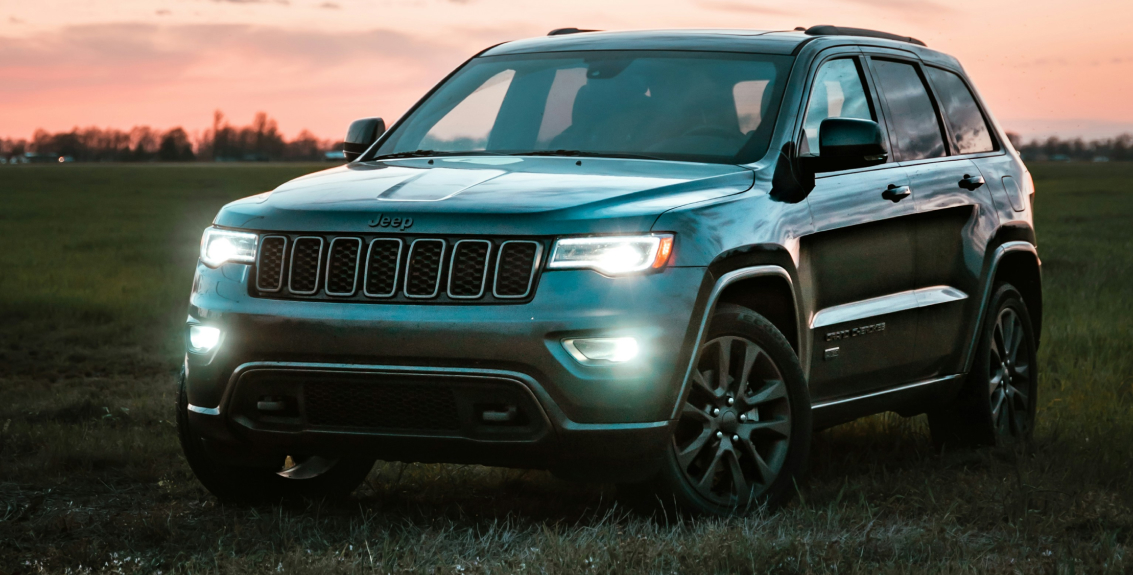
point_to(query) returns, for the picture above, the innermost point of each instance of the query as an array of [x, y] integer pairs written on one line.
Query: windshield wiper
[[581, 154], [413, 154]]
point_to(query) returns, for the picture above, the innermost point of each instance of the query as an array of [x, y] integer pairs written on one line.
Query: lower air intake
[[381, 406]]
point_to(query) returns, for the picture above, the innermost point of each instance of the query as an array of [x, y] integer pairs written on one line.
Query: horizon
[[317, 65]]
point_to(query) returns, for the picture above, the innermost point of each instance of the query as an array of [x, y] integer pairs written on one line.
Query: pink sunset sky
[[1045, 66]]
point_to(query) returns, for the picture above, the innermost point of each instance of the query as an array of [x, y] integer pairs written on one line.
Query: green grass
[[95, 268]]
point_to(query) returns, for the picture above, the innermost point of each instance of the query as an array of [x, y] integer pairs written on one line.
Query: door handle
[[896, 193], [971, 183]]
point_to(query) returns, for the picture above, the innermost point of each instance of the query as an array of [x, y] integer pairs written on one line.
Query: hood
[[486, 194]]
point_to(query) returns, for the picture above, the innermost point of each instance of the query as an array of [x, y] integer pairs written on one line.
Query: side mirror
[[361, 135], [845, 144]]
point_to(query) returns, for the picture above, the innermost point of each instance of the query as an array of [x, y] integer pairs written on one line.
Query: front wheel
[[309, 476], [744, 428]]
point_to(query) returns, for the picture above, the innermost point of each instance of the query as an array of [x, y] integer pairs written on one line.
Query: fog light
[[597, 351], [203, 338]]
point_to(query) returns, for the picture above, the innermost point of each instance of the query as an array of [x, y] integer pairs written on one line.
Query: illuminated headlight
[[203, 338], [219, 246], [602, 350], [612, 255]]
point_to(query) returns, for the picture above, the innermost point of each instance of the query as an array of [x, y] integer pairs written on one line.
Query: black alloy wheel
[[997, 402], [735, 427], [1009, 378], [743, 429]]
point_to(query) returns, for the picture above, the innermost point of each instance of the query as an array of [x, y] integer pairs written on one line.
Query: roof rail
[[827, 30], [564, 31]]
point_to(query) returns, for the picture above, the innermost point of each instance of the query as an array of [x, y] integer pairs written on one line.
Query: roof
[[757, 41]]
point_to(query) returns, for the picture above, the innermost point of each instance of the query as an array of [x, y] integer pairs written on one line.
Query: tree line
[[1118, 149], [259, 141]]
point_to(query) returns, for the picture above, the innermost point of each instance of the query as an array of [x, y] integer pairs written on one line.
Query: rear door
[[950, 198], [858, 263]]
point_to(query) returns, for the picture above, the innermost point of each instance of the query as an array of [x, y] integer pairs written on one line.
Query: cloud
[[281, 2], [909, 9], [743, 8], [329, 6], [127, 74], [164, 12], [14, 20]]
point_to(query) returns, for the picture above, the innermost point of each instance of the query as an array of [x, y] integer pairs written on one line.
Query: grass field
[[95, 268]]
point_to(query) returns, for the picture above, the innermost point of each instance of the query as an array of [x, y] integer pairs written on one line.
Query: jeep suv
[[660, 259]]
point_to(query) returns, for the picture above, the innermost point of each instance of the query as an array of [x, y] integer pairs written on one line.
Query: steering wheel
[[716, 131]]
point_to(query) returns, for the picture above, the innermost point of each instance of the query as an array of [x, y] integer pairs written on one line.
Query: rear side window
[[913, 119], [970, 132], [838, 92]]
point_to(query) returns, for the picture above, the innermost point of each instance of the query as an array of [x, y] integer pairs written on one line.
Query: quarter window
[[838, 92], [970, 133], [912, 117]]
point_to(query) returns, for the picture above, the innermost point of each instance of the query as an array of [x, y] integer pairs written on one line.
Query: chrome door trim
[[724, 281], [989, 281], [905, 387], [204, 410], [886, 304]]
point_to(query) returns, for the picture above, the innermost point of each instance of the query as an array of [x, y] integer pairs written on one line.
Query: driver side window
[[838, 92]]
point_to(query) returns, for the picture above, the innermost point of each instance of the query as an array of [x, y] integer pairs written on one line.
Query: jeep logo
[[387, 222]]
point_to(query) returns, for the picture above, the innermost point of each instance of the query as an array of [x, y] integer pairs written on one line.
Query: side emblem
[[855, 332], [382, 221]]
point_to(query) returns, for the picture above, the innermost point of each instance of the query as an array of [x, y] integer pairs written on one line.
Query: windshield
[[691, 106]]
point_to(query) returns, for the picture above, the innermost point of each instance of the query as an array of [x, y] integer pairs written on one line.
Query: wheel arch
[[1015, 262]]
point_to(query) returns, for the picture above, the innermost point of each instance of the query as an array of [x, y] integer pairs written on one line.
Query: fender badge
[[381, 221]]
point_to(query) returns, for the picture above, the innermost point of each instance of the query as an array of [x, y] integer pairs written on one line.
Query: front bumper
[[613, 420]]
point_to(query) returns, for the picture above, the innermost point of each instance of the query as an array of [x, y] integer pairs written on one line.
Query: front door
[[859, 262]]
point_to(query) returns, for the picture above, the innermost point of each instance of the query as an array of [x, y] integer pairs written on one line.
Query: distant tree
[[175, 147]]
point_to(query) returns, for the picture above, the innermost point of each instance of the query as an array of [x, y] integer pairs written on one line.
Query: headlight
[[612, 255], [219, 246]]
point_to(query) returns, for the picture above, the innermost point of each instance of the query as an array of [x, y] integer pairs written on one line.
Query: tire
[[741, 441], [997, 404], [310, 477]]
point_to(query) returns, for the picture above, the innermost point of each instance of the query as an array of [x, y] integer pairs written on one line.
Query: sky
[[1045, 67]]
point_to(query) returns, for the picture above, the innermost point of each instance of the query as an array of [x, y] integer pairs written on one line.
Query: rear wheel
[[289, 476], [997, 403], [744, 427]]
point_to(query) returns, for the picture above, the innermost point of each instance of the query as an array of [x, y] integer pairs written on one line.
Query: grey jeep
[[660, 259]]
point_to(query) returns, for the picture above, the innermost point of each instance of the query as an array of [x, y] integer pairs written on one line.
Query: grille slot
[[383, 262], [386, 405], [515, 268], [468, 271], [269, 267], [423, 271], [342, 266], [306, 259]]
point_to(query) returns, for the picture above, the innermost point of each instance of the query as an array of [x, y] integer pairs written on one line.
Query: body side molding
[[897, 389], [886, 304], [722, 283]]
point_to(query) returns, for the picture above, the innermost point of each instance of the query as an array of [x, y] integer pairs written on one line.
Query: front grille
[[342, 266], [423, 274], [389, 406], [382, 264], [406, 269], [469, 269], [269, 269], [516, 268], [306, 259]]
